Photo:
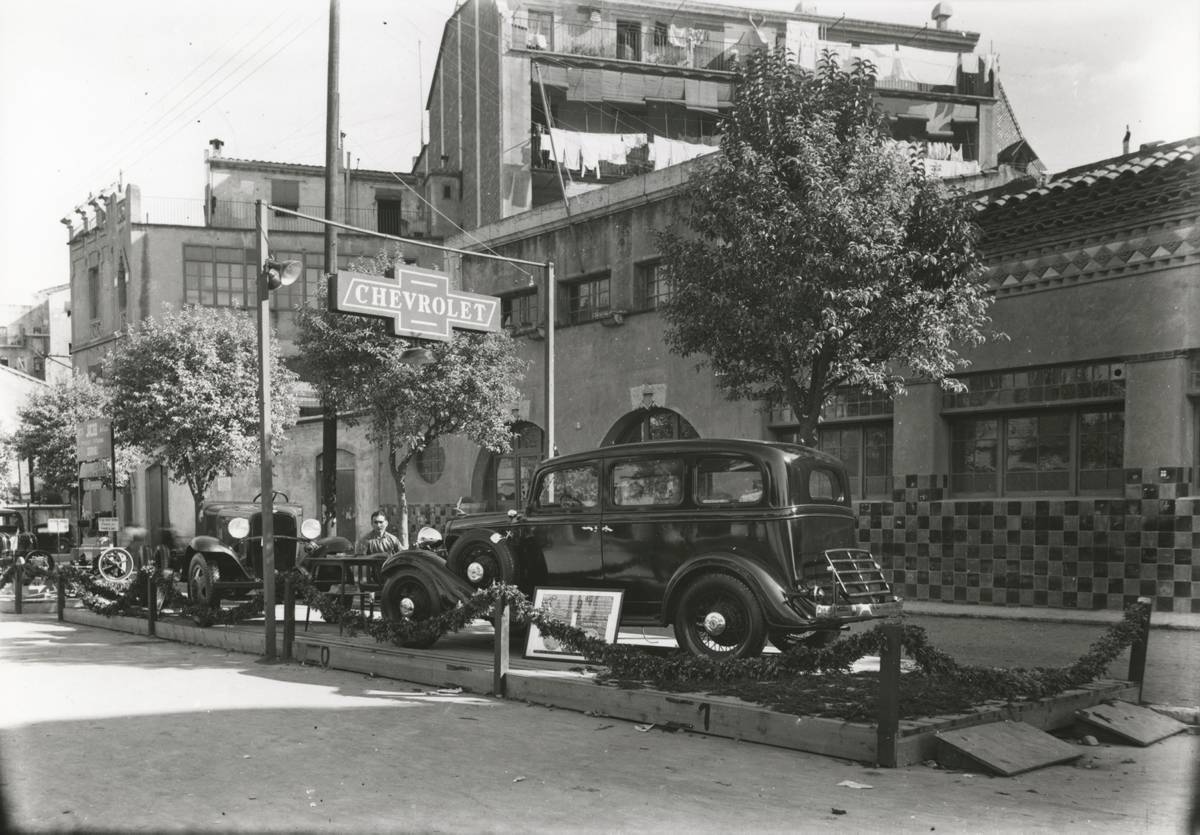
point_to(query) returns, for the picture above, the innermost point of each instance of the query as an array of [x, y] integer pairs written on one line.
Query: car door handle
[[606, 529], [588, 528]]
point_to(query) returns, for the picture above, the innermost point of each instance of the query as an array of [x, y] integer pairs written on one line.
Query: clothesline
[[584, 151]]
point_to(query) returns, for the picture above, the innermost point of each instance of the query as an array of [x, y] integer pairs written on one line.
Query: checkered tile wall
[[1078, 553]]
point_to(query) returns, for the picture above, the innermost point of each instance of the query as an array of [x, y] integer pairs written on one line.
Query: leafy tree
[[819, 255], [185, 392], [467, 390], [49, 423]]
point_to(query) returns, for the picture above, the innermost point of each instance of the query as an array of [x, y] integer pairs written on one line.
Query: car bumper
[[858, 611]]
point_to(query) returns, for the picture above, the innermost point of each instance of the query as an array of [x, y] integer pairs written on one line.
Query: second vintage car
[[730, 542]]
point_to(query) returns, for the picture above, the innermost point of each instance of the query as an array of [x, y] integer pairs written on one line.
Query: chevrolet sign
[[419, 303]]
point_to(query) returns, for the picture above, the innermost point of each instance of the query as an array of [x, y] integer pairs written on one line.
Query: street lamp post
[[271, 275]]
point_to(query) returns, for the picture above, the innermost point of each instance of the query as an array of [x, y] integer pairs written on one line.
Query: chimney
[[216, 147], [1125, 142], [941, 13]]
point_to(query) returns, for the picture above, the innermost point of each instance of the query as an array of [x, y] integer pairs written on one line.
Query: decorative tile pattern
[[1070, 552]]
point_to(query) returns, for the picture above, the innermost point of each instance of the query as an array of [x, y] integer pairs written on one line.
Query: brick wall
[[1076, 553]]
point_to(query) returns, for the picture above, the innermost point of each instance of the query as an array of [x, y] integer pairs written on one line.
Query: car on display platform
[[730, 542], [224, 559]]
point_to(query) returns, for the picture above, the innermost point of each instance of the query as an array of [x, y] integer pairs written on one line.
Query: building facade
[[133, 259]]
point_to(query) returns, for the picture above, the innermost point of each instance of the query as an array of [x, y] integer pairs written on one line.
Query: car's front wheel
[[407, 595], [202, 589], [718, 617]]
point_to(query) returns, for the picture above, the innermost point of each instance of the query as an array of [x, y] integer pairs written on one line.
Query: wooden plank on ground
[[1130, 723], [1008, 748]]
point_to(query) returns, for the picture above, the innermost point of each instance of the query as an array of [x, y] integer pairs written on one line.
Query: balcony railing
[[172, 211], [671, 46]]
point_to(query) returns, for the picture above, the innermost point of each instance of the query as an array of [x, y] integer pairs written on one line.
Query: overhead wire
[[147, 133]]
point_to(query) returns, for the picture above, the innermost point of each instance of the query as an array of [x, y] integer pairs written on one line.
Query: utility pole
[[329, 418], [266, 476]]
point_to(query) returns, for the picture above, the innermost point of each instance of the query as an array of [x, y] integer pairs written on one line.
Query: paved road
[[100, 730]]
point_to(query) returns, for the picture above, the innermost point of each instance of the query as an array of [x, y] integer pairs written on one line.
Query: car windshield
[[10, 521]]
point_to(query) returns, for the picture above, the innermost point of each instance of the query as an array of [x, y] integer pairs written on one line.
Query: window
[[629, 40], [520, 310], [570, 488], [447, 191], [285, 194], [509, 475], [588, 300], [729, 481], [656, 424], [431, 462], [1062, 452], [541, 30], [93, 289], [391, 218], [647, 482], [122, 285], [653, 286], [866, 451], [219, 276]]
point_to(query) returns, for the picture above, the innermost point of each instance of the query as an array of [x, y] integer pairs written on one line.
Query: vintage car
[[224, 559], [731, 542], [16, 540]]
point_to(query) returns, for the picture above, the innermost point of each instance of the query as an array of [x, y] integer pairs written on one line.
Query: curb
[[1158, 620], [1186, 715]]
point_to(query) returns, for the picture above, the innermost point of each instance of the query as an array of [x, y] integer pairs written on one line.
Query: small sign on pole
[[56, 525], [108, 524], [93, 439]]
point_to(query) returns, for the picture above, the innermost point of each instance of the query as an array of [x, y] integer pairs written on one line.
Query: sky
[[131, 91]]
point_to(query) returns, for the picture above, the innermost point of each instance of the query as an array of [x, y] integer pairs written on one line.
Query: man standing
[[378, 541]]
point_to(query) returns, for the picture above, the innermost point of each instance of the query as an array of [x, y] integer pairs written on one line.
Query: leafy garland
[[626, 663]]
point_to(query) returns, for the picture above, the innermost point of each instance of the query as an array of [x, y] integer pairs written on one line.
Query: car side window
[[647, 482], [570, 489], [729, 480]]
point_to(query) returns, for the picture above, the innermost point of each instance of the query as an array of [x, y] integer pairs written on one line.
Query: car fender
[[218, 552], [450, 586], [767, 589]]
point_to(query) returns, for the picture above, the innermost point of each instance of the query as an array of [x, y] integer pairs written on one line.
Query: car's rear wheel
[[114, 565], [718, 617], [202, 589], [407, 595], [40, 560], [482, 562]]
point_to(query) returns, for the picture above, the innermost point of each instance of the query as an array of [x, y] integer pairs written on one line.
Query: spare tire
[[480, 561]]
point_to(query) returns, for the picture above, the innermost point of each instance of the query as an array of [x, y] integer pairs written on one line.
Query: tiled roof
[[1128, 165]]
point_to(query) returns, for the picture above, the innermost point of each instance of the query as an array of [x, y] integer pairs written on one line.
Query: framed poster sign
[[595, 611]]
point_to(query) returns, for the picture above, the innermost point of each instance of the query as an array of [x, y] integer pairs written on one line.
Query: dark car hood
[[471, 521]]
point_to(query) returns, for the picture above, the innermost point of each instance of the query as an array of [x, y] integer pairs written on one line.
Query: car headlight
[[238, 527], [310, 529]]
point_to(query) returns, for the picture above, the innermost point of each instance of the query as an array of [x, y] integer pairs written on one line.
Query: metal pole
[[112, 449], [888, 728], [501, 622], [551, 303], [267, 484], [329, 418], [1140, 648]]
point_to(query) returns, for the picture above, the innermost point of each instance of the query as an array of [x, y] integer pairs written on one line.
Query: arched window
[[655, 424], [508, 475], [431, 462]]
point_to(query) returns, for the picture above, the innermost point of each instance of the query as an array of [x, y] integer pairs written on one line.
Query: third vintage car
[[730, 542]]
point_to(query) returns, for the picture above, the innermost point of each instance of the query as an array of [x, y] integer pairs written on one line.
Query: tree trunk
[[329, 432], [399, 469]]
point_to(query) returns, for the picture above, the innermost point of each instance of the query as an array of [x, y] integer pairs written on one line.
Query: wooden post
[[289, 616], [888, 726], [61, 584], [1137, 652], [18, 583], [151, 600], [500, 650]]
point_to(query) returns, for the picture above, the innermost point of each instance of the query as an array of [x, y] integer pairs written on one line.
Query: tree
[[819, 255], [184, 390], [468, 389], [47, 433]]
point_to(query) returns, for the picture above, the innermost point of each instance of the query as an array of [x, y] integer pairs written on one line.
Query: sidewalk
[[932, 608]]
